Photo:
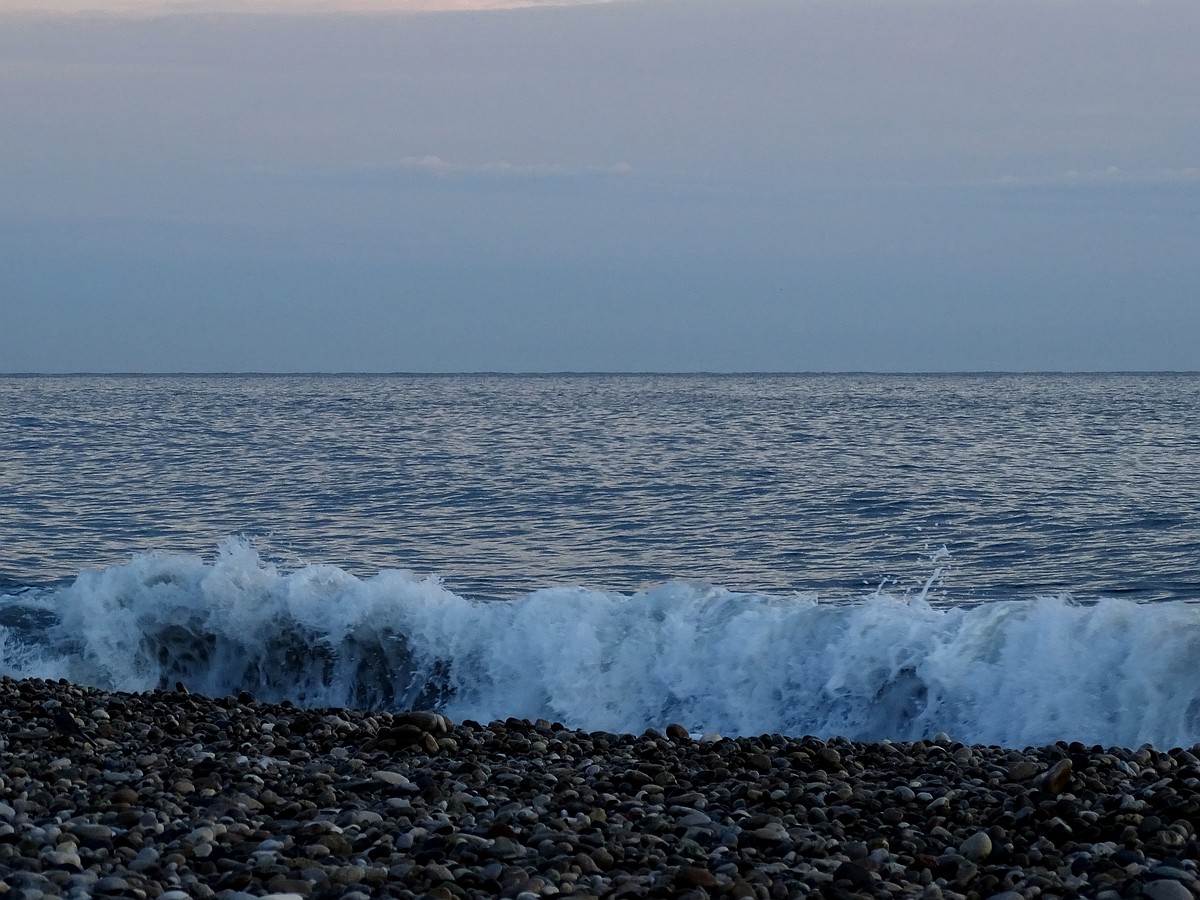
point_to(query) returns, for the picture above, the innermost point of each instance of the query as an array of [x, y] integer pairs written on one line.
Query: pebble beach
[[172, 795]]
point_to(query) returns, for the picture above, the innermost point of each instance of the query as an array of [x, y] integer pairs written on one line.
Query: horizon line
[[514, 373]]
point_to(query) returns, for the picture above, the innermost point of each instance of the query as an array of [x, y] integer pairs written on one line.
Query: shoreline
[[174, 795]]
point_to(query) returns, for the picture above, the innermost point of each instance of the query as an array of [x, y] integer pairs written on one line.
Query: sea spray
[[1013, 673]]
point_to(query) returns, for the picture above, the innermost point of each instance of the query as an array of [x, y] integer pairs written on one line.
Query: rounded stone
[[111, 884], [1167, 889], [830, 758], [92, 832], [1058, 779], [773, 833], [977, 847], [678, 733], [1023, 770]]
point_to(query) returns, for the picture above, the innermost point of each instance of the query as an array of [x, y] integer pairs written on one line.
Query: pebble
[[977, 847], [92, 832], [1023, 770], [772, 832], [1058, 779], [395, 779], [183, 796], [1167, 890]]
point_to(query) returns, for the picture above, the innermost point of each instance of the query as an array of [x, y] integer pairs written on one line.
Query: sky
[[642, 185]]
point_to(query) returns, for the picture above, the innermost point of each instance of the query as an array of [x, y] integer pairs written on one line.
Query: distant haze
[[174, 7], [916, 185]]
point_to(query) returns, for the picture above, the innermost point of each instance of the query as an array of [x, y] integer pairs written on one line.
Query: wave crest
[[1012, 673]]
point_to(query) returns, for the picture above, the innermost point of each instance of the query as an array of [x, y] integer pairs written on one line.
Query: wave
[[1013, 673]]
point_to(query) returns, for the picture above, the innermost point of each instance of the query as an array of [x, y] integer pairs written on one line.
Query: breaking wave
[[1014, 673]]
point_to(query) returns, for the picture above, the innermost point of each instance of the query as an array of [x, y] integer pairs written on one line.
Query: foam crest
[[1011, 673]]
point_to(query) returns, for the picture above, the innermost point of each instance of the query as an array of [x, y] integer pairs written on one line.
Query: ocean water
[[1012, 559]]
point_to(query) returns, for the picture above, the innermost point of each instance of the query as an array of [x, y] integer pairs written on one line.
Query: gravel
[[171, 795]]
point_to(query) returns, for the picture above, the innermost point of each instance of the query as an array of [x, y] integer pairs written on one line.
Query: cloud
[[168, 7], [443, 168]]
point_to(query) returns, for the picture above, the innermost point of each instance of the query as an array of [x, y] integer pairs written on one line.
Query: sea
[[1008, 559]]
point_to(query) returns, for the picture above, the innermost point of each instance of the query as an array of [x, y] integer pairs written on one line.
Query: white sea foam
[[1012, 673]]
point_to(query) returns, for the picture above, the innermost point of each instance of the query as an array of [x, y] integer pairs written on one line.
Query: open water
[[1012, 559]]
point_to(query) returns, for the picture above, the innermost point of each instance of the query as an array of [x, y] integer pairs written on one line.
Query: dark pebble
[[177, 795]]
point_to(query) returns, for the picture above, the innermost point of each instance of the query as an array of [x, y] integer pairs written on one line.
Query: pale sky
[[671, 185], [155, 8]]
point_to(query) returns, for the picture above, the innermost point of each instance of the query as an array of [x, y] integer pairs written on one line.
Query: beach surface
[[174, 795]]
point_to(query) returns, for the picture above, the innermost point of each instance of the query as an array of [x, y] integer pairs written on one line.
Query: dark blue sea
[[1011, 559]]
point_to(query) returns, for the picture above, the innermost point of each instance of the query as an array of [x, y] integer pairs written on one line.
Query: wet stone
[[678, 733], [1058, 779], [830, 758]]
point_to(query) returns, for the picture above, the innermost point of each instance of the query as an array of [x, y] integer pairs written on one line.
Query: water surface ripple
[[1088, 485]]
